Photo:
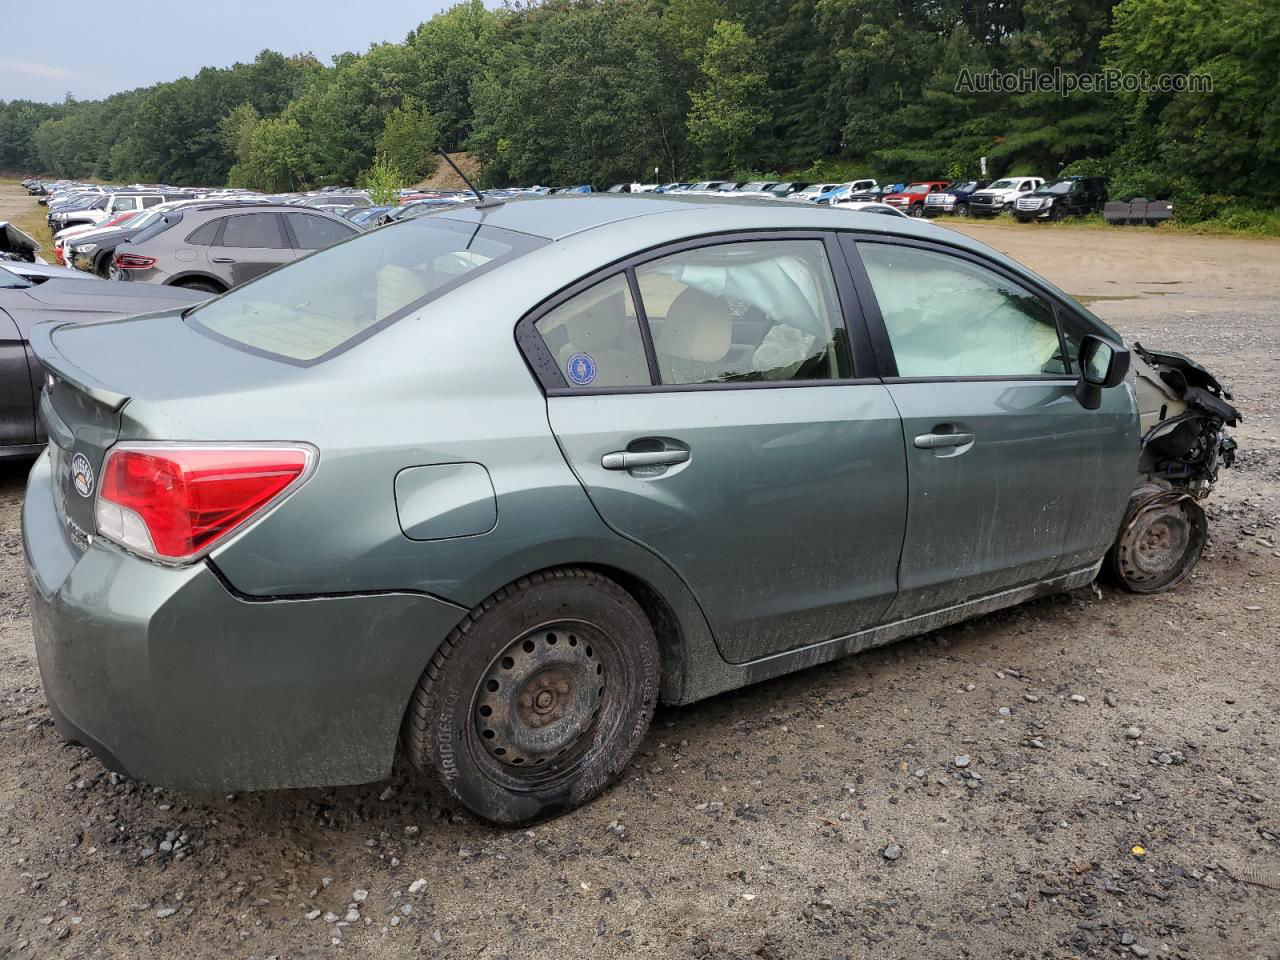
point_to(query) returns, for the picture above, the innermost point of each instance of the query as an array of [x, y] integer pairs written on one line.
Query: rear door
[[1011, 480], [709, 401], [248, 245]]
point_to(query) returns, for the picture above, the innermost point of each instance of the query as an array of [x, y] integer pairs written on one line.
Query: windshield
[[11, 281], [967, 187], [313, 308], [1003, 185], [917, 188], [1062, 186]]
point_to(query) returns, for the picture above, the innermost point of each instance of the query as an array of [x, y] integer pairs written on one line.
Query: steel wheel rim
[[536, 712], [1161, 542]]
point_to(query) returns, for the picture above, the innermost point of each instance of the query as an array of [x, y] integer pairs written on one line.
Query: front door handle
[[222, 259], [933, 441], [629, 460]]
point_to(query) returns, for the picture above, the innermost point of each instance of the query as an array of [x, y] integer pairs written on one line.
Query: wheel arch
[[181, 279]]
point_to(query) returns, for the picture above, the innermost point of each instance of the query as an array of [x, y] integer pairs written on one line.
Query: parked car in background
[[867, 206], [911, 198], [851, 190], [1000, 196], [215, 247], [66, 239], [31, 294], [787, 188], [526, 528], [954, 199], [364, 216], [813, 191], [107, 207], [336, 201], [1068, 197]]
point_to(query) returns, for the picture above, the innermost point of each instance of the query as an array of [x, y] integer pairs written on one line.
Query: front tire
[[1160, 541], [539, 699], [916, 210]]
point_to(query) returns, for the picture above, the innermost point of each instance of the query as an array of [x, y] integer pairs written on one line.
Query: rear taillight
[[134, 261], [174, 502]]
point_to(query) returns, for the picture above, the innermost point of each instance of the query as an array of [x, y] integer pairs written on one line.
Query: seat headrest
[[698, 327], [600, 325]]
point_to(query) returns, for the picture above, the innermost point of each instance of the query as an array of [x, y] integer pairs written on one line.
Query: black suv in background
[[220, 246], [1067, 197]]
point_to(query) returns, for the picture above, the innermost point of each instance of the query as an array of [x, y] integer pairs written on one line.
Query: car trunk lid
[[92, 372]]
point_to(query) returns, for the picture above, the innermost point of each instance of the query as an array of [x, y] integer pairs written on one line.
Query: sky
[[93, 50]]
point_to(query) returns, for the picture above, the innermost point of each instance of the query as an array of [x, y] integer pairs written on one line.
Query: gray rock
[[1005, 712], [891, 852], [1133, 733], [164, 912], [1077, 698], [1140, 951], [1031, 697], [353, 916], [962, 761], [313, 915], [359, 895]]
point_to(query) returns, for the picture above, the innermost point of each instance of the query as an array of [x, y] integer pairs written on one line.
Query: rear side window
[[316, 233], [253, 230], [596, 337], [948, 317], [205, 236], [763, 310], [332, 299], [151, 201]]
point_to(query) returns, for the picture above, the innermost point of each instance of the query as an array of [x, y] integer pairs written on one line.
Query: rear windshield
[[315, 307]]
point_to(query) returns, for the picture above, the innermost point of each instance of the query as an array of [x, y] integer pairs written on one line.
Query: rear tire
[[962, 210], [538, 700], [916, 210], [205, 286]]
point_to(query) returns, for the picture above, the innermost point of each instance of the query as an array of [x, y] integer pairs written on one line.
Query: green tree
[[732, 101], [408, 140], [384, 181]]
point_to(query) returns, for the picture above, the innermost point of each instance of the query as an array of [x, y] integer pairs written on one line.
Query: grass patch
[[1236, 221], [32, 220]]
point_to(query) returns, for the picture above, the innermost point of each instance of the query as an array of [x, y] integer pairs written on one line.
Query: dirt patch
[[755, 825], [445, 178]]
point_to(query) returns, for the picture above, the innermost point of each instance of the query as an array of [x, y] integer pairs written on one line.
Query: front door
[[995, 438], [711, 412]]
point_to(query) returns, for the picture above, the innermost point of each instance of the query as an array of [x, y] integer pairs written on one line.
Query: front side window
[[253, 230], [595, 337], [318, 305], [948, 317], [754, 311]]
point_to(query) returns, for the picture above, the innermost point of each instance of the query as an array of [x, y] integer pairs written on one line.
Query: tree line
[[601, 91]]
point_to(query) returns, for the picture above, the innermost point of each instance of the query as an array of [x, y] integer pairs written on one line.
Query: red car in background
[[911, 200]]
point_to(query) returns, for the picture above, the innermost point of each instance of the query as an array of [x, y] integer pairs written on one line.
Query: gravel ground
[[1092, 775]]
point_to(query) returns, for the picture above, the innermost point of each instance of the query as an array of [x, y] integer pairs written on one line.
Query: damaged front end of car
[[1184, 417]]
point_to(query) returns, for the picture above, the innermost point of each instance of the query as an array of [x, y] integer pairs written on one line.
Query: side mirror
[[1102, 364]]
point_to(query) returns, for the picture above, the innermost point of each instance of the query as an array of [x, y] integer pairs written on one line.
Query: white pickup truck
[[999, 197]]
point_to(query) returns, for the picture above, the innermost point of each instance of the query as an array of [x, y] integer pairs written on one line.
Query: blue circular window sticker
[[581, 369]]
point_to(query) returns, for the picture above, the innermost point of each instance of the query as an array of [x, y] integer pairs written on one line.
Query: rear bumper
[[172, 679]]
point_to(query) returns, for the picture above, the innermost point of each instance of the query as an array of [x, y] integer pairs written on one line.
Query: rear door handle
[[627, 460], [932, 441], [222, 259]]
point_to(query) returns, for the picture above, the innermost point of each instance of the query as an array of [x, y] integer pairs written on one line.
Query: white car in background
[[1000, 196], [813, 191]]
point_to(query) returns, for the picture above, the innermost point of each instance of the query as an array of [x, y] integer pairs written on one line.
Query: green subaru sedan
[[486, 486]]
